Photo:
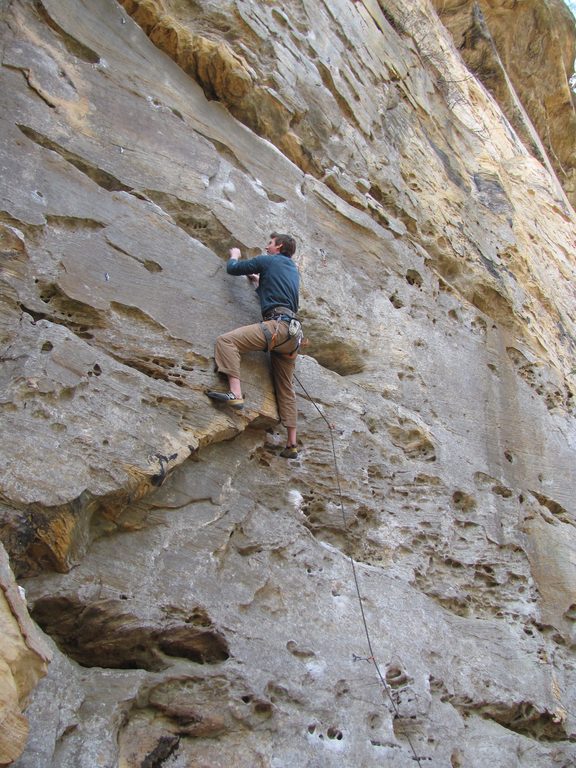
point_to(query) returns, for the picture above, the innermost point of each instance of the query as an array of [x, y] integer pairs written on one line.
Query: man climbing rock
[[277, 282]]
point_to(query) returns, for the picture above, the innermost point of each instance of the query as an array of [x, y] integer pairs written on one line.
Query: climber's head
[[284, 244]]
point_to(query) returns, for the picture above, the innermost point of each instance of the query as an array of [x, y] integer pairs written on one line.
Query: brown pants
[[250, 338]]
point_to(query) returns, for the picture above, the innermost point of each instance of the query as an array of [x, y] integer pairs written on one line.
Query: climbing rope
[[371, 657]]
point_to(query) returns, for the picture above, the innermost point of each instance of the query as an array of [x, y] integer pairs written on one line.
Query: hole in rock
[[463, 501], [413, 441], [263, 708], [414, 278], [299, 652], [336, 355], [396, 677], [501, 490], [106, 633], [152, 266], [553, 506]]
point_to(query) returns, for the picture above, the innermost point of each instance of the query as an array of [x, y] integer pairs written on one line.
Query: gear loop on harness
[[280, 315]]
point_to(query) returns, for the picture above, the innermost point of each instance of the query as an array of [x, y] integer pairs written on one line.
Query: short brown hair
[[286, 241]]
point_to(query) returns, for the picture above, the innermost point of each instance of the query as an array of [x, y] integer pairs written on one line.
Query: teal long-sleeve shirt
[[279, 279]]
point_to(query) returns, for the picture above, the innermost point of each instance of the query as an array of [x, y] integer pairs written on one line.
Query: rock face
[[524, 54], [404, 592], [24, 658]]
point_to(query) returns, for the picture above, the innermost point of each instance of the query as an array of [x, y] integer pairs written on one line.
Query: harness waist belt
[[272, 313]]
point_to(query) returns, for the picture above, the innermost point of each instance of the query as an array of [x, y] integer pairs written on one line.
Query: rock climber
[[276, 279]]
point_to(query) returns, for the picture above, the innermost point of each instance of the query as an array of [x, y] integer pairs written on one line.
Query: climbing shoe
[[290, 452], [226, 397]]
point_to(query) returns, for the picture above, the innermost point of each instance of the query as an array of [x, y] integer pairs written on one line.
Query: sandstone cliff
[[524, 54], [195, 590], [24, 657]]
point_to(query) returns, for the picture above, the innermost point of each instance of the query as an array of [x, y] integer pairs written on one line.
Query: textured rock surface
[[524, 54], [24, 658], [199, 589]]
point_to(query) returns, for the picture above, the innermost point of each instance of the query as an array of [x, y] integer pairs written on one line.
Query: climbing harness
[[278, 312], [295, 334], [371, 656]]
